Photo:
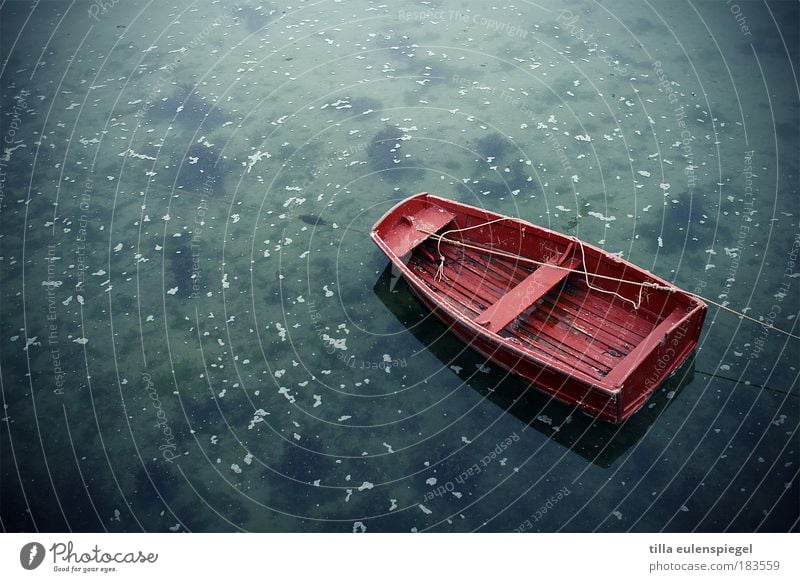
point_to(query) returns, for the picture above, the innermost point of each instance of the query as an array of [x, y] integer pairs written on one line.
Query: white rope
[[636, 304], [440, 270]]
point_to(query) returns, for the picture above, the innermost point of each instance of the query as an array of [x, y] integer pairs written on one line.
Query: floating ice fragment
[[256, 157], [258, 416], [601, 216]]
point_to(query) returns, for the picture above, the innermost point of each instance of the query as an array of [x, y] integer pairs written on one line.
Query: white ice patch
[[601, 216], [285, 391], [256, 157], [258, 416], [338, 344]]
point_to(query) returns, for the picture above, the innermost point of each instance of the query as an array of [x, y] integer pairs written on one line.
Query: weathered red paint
[[582, 346]]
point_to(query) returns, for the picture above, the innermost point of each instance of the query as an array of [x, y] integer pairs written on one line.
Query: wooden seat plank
[[529, 291]]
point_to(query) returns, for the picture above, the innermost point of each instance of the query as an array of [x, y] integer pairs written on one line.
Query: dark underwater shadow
[[186, 107], [598, 442], [201, 169]]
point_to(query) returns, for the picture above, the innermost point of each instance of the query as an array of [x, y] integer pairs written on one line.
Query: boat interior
[[530, 287]]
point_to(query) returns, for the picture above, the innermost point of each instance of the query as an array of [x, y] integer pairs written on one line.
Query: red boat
[[581, 324]]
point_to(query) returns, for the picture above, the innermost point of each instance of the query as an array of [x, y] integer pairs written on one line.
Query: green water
[[185, 347]]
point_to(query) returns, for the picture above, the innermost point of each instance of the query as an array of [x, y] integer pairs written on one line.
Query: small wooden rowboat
[[581, 324]]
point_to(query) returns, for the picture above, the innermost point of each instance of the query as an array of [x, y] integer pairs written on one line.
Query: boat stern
[[658, 357]]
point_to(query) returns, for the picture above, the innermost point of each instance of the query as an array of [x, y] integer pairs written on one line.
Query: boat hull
[[609, 387]]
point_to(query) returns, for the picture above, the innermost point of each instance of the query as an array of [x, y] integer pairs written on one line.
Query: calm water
[[186, 347]]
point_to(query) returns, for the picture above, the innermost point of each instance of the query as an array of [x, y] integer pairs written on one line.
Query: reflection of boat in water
[[578, 322], [599, 442]]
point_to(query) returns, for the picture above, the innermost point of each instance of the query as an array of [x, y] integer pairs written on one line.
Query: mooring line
[[641, 284]]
